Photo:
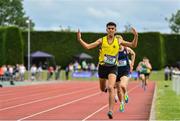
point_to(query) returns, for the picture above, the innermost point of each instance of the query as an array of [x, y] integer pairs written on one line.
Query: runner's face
[[145, 60], [111, 30]]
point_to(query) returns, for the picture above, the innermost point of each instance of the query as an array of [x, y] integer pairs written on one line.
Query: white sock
[[122, 102], [116, 97]]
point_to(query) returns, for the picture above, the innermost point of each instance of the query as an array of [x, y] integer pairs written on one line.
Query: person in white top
[[33, 72], [22, 71]]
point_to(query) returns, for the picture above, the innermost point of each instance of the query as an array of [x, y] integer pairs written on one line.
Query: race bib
[[110, 59], [143, 70], [122, 63]]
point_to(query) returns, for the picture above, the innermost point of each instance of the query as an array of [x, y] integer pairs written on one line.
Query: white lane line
[[21, 90], [95, 112], [43, 99], [51, 91], [104, 106], [59, 106], [30, 87]]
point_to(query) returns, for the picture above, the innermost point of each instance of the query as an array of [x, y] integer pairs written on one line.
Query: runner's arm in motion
[[148, 65], [133, 56], [139, 66], [86, 45], [132, 44]]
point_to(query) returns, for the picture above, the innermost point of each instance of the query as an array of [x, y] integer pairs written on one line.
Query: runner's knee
[[123, 86], [110, 88]]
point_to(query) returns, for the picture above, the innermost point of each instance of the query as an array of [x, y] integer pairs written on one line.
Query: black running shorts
[[104, 71], [122, 71]]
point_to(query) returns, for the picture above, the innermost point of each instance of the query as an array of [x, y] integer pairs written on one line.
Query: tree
[[174, 22], [12, 13], [127, 28]]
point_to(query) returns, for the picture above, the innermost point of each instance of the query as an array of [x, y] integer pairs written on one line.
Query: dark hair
[[110, 24], [145, 57]]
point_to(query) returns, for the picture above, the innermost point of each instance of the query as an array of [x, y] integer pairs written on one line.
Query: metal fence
[[176, 82]]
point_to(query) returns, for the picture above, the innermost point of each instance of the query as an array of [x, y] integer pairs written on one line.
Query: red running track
[[71, 101]]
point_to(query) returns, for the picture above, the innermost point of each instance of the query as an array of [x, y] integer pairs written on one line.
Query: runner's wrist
[[80, 39]]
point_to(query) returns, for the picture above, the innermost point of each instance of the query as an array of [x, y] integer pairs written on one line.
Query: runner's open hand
[[134, 31], [78, 35]]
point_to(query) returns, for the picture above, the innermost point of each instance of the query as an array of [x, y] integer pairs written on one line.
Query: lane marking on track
[[43, 99], [95, 112], [36, 94], [18, 89], [43, 88], [33, 86], [102, 108], [59, 106]]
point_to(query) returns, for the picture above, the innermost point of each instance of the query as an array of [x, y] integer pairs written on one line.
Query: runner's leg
[[102, 84], [111, 84]]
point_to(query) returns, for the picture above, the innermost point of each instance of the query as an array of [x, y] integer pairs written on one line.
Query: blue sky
[[92, 15]]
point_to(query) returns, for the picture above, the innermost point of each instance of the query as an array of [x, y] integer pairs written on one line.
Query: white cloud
[[92, 15], [102, 13]]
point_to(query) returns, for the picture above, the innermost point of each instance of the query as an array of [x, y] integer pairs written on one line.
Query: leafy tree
[[127, 28], [12, 13], [174, 22]]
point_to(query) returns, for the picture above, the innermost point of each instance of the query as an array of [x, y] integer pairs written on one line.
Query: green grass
[[167, 102]]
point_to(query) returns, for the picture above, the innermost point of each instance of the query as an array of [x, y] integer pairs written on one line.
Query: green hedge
[[2, 58], [13, 46], [160, 49], [172, 48], [150, 45], [63, 45]]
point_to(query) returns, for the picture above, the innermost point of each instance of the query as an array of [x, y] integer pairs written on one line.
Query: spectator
[[10, 72], [67, 72], [84, 65], [166, 73], [92, 68], [71, 67], [76, 66], [1, 73], [50, 72], [39, 72], [5, 72], [22, 71], [33, 72], [10, 76], [170, 74], [16, 72], [57, 72]]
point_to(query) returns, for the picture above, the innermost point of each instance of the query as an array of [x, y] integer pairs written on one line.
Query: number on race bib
[[109, 59], [122, 63]]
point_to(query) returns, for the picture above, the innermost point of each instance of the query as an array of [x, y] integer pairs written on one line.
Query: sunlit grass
[[167, 102]]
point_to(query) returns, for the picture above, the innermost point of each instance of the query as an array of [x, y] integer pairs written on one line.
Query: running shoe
[[126, 98], [121, 107], [110, 114]]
